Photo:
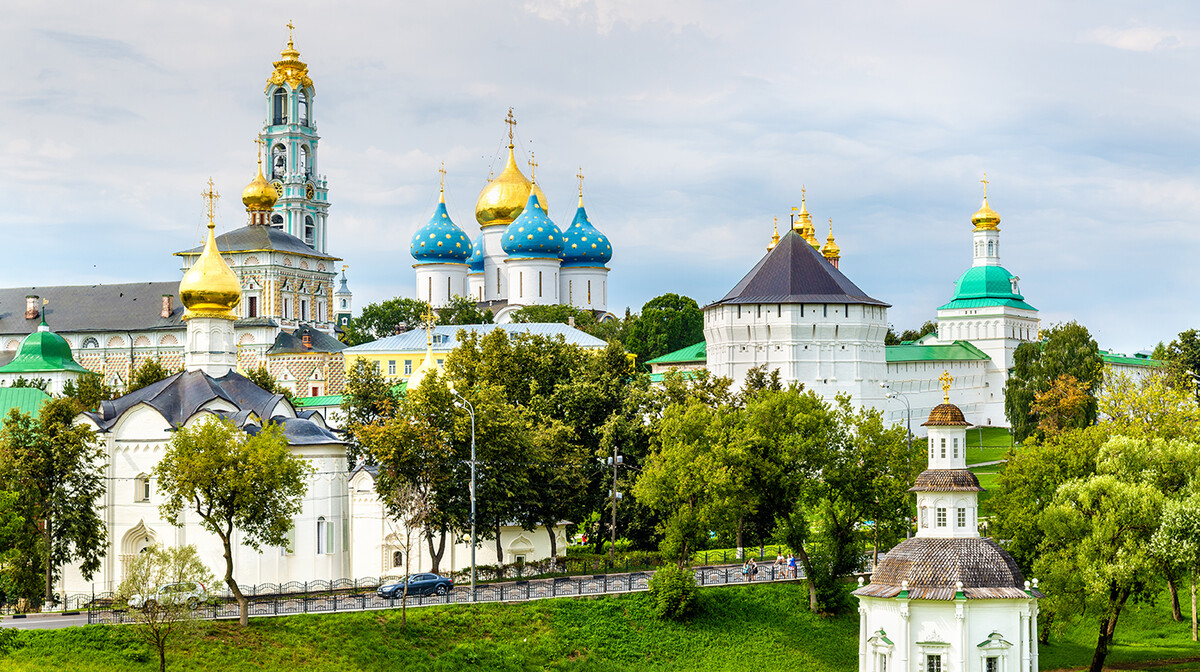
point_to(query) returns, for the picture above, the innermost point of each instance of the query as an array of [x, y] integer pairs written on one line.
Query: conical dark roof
[[795, 272]]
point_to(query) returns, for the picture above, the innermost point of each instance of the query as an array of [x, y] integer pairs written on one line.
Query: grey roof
[[446, 337], [260, 238], [182, 395], [134, 306], [932, 567], [342, 288], [293, 342], [795, 272]]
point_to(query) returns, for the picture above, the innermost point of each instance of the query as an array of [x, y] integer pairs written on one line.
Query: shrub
[[8, 640], [673, 590]]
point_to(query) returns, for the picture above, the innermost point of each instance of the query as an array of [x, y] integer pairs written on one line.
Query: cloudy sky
[[695, 124]]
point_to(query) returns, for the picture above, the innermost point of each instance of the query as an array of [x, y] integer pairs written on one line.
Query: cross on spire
[[210, 201], [261, 143], [985, 183], [580, 176], [442, 170], [945, 380], [533, 164], [290, 28], [429, 318], [512, 122]]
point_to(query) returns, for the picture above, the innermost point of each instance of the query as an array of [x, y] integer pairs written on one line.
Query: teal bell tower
[[290, 138]]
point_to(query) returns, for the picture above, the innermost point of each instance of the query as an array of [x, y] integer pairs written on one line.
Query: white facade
[[585, 287], [533, 281], [438, 283]]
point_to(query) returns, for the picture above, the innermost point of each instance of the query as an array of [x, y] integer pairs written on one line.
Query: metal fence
[[348, 595]]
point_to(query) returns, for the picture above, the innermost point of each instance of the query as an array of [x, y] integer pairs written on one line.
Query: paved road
[[44, 622]]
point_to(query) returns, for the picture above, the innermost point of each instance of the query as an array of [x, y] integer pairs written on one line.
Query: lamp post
[[615, 461], [463, 403], [888, 393]]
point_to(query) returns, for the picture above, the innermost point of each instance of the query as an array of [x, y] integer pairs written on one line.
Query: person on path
[[791, 561], [746, 570], [753, 569]]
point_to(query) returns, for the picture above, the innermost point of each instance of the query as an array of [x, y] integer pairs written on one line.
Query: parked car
[[418, 585], [187, 592]]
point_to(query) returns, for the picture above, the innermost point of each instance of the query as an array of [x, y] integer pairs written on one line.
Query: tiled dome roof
[[946, 480], [440, 240], [583, 244], [933, 568], [532, 234], [946, 415]]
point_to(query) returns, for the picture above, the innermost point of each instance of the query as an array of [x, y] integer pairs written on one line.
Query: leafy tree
[[21, 557], [667, 323], [37, 383], [1177, 541], [1067, 349], [163, 619], [1064, 404], [367, 398], [262, 377], [58, 471], [234, 481], [149, 372], [909, 335], [380, 320], [462, 310], [560, 313], [88, 391], [1182, 357]]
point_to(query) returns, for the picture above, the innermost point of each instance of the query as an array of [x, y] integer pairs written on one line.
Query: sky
[[695, 124]]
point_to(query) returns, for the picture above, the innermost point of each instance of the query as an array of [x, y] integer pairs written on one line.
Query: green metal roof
[[690, 354], [982, 286], [956, 351], [43, 351], [24, 399], [323, 400], [658, 377], [1111, 357]]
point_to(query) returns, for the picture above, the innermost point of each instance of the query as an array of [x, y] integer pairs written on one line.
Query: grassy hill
[[738, 628]]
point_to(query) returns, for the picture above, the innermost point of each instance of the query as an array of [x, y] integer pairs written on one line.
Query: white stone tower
[[947, 599]]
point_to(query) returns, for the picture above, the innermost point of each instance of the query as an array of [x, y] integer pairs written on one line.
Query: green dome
[[986, 286], [43, 351], [986, 282]]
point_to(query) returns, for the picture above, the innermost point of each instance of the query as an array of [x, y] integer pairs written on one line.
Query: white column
[[905, 639], [862, 638], [1023, 641], [1033, 614]]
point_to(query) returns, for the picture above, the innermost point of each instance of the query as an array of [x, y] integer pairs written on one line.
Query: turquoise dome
[[476, 261], [532, 235], [440, 241], [986, 282], [583, 244]]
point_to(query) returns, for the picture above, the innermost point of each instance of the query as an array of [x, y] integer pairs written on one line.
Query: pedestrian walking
[[791, 561], [753, 569]]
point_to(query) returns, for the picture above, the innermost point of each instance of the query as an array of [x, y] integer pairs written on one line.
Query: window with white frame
[[962, 516], [933, 662], [943, 448], [392, 367], [941, 516], [322, 536], [955, 447], [407, 367], [141, 488], [992, 664]]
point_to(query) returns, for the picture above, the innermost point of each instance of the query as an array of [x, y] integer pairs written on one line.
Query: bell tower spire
[[291, 139]]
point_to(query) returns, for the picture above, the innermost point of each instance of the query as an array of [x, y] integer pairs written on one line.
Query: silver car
[[187, 592]]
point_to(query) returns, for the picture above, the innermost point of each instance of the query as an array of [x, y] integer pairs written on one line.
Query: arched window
[[310, 230], [322, 536], [397, 559], [277, 221], [279, 106], [302, 99], [991, 248], [343, 304], [304, 161], [141, 488], [90, 342], [278, 161]]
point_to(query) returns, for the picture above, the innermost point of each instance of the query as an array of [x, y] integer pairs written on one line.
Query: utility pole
[[615, 460]]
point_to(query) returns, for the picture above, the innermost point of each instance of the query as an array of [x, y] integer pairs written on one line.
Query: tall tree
[[234, 481], [1182, 357], [1066, 349], [366, 399], [88, 391], [387, 318], [462, 310], [262, 377], [666, 323], [1177, 542], [58, 471]]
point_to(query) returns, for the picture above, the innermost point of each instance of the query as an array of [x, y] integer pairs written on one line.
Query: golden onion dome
[[831, 249], [986, 218], [290, 69], [504, 197], [209, 288], [259, 195]]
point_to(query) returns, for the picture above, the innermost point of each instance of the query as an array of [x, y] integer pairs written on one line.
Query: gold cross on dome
[[580, 176], [430, 319], [533, 164], [985, 183], [803, 193], [260, 144], [946, 379], [290, 28], [442, 170], [210, 199], [511, 121]]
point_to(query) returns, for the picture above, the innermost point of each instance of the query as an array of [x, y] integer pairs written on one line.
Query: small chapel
[[948, 600]]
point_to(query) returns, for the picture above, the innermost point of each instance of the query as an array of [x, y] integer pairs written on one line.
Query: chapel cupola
[[259, 196], [210, 291], [830, 250], [504, 197], [802, 222], [986, 236]]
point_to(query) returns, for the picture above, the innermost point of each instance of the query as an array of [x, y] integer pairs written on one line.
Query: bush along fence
[[359, 595]]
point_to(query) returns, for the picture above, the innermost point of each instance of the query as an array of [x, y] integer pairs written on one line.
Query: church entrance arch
[[135, 542]]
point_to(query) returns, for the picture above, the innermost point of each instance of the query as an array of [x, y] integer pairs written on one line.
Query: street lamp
[[463, 403], [616, 460], [888, 393]]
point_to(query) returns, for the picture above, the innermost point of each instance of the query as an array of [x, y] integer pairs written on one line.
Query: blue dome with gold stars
[[583, 244], [532, 234], [440, 241], [476, 261]]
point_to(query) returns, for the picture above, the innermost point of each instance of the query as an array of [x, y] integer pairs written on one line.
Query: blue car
[[418, 585]]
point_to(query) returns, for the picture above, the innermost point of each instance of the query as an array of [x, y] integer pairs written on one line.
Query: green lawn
[[996, 441], [751, 628]]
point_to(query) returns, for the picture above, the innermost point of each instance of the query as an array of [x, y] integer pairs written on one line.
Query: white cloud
[[1137, 39]]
